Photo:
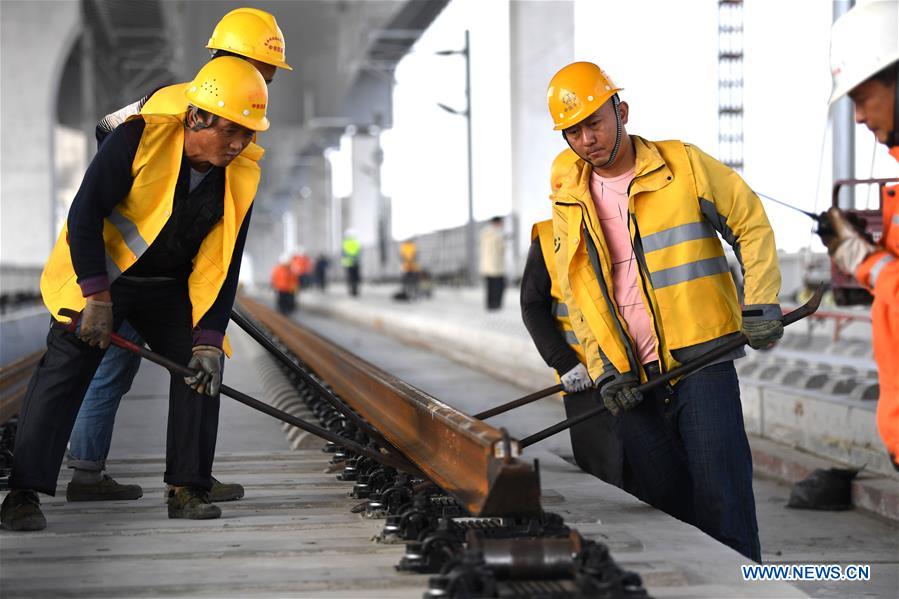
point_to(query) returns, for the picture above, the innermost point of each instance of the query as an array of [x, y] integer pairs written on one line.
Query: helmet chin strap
[[615, 104], [893, 137]]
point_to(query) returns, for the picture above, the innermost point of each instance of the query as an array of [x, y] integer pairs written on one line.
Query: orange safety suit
[[300, 264], [879, 272], [283, 280]]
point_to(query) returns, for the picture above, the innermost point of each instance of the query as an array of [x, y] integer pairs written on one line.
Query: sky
[[670, 80]]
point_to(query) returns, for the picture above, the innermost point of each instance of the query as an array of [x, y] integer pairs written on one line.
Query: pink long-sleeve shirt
[[610, 197]]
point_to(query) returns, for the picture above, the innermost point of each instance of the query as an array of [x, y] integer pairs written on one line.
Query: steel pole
[[470, 254]]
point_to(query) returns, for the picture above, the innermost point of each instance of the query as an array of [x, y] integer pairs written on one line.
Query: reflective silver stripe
[[895, 219], [878, 266], [128, 231], [571, 338], [560, 309], [689, 271], [678, 234], [113, 271]]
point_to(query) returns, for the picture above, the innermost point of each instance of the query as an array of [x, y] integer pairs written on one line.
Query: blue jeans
[[691, 457], [92, 435]]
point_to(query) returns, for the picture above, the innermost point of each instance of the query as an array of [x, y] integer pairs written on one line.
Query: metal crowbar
[[807, 309], [176, 368]]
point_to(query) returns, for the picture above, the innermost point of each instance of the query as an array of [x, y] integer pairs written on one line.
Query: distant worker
[[647, 286], [410, 267], [493, 262], [596, 446], [301, 266], [321, 272], [154, 235], [864, 60], [284, 283], [254, 36], [352, 251]]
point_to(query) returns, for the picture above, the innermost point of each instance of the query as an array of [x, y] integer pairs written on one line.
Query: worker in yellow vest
[[595, 444], [647, 286], [254, 36], [155, 234], [410, 267]]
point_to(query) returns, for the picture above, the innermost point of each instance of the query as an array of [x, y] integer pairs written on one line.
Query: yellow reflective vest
[[679, 201], [136, 221], [167, 100], [543, 231]]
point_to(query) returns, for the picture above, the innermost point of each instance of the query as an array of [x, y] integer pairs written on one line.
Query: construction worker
[[493, 262], [595, 444], [350, 258], [864, 60], [155, 234], [284, 283], [247, 33], [410, 267], [646, 282]]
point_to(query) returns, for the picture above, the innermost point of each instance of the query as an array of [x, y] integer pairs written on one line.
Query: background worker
[[864, 59], [160, 245], [244, 32], [493, 262], [284, 283], [647, 286], [352, 253], [410, 267], [595, 444]]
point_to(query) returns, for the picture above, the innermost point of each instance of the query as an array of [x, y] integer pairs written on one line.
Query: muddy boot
[[224, 491], [191, 503], [105, 489], [21, 510]]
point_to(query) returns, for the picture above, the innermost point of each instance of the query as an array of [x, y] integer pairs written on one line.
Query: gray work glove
[[762, 325], [576, 379], [207, 361], [96, 323], [620, 394]]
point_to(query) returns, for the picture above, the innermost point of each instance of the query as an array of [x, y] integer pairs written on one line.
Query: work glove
[[207, 362], [846, 240], [760, 329], [620, 394], [576, 379], [96, 323]]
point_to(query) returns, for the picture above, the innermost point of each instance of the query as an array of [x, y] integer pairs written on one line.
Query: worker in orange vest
[[864, 59], [284, 282]]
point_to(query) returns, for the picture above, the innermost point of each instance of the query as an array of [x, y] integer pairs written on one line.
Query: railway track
[[14, 379], [471, 513]]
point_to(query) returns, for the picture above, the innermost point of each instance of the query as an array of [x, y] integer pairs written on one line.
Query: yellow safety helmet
[[252, 33], [576, 92], [231, 88]]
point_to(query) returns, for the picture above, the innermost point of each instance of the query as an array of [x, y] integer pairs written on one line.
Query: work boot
[[224, 491], [105, 489], [21, 510], [192, 503]]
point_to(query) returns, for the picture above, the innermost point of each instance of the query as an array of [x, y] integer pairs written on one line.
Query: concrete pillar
[[35, 39], [542, 39], [366, 196]]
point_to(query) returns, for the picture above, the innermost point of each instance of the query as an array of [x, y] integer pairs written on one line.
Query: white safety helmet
[[863, 42]]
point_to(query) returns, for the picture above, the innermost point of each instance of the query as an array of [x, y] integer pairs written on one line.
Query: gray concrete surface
[[294, 536]]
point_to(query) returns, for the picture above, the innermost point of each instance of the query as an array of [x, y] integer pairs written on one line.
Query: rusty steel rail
[[467, 458]]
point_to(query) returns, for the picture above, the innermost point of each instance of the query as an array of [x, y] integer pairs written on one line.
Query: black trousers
[[597, 447], [287, 302], [495, 288], [352, 279], [161, 314]]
